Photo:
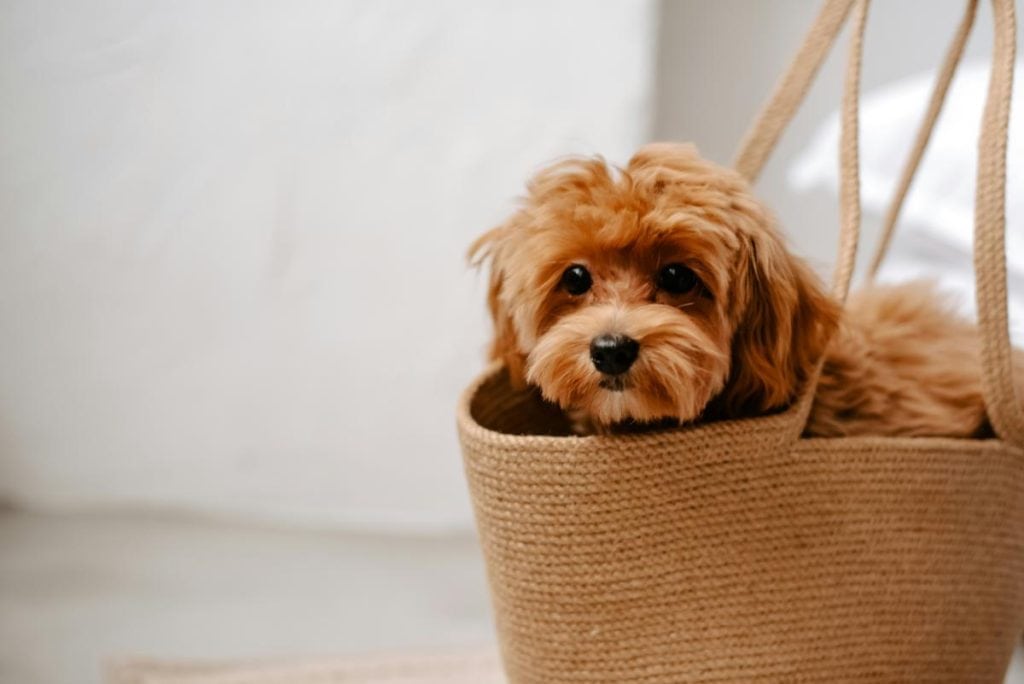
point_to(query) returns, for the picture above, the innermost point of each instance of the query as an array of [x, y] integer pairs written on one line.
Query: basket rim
[[470, 428]]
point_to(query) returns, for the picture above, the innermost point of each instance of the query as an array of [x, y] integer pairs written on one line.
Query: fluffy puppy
[[663, 292]]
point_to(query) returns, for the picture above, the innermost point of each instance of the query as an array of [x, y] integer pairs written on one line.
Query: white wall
[[231, 238]]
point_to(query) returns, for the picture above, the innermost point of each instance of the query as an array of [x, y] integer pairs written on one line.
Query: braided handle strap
[[924, 134], [1001, 402], [776, 113]]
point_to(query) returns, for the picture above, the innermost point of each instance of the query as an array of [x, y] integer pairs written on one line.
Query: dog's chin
[[676, 374], [615, 383], [618, 401]]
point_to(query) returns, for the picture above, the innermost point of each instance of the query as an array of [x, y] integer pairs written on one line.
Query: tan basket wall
[[691, 556]]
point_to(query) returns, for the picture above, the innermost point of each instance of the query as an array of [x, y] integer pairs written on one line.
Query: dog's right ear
[[488, 249]]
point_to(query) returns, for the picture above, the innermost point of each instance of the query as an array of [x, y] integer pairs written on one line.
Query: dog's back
[[903, 363]]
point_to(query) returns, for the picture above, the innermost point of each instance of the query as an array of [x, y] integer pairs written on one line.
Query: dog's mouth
[[614, 383]]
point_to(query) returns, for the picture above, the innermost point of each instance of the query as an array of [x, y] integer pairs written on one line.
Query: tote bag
[[739, 551]]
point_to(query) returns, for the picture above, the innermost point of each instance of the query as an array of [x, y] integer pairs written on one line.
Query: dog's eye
[[576, 280], [677, 279]]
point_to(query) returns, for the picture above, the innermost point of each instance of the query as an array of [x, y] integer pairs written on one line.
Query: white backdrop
[[232, 237]]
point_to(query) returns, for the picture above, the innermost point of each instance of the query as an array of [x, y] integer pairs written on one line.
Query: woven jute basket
[[739, 551]]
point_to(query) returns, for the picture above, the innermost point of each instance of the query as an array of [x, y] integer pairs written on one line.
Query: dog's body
[[901, 364], [666, 294]]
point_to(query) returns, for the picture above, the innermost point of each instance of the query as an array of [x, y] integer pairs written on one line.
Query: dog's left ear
[[784, 325], [487, 249]]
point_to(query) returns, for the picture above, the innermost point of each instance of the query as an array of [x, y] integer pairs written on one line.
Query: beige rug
[[476, 667]]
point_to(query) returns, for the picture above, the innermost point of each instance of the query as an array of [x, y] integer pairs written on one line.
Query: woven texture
[[738, 552], [705, 555]]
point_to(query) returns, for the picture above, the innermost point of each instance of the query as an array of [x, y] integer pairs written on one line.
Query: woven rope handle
[[924, 134], [849, 162], [759, 142], [1001, 402]]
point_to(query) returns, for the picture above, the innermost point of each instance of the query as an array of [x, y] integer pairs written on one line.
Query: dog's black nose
[[613, 354]]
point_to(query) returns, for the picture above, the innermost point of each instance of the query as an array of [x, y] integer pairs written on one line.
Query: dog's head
[[652, 293]]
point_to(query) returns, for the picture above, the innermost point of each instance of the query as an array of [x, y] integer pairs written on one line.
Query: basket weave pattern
[[694, 555]]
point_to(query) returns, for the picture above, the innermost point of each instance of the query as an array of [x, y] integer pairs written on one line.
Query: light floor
[[75, 591]]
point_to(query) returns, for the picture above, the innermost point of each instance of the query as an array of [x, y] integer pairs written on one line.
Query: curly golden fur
[[738, 336]]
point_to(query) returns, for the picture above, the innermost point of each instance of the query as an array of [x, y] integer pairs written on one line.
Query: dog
[[663, 294]]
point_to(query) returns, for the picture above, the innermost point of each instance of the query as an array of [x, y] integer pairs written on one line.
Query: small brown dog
[[665, 292]]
